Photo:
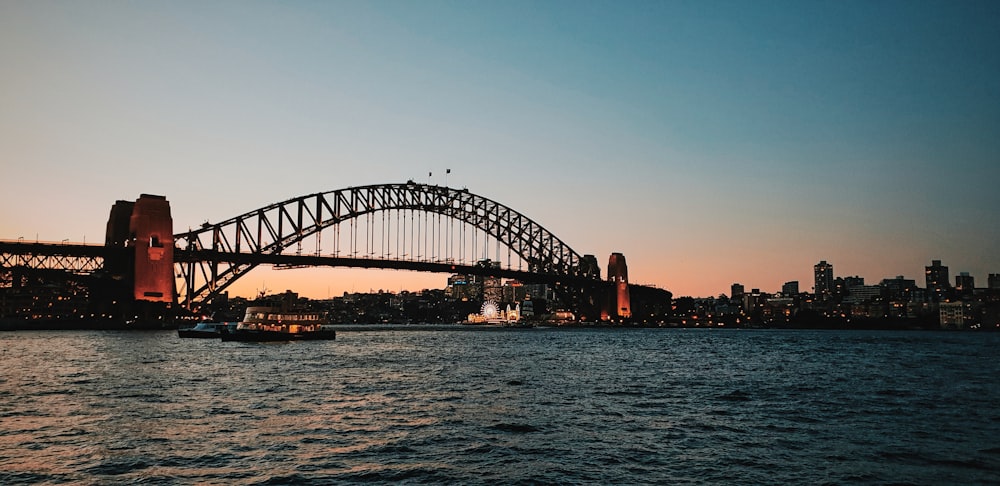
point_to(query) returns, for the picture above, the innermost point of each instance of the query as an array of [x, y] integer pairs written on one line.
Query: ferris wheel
[[490, 310]]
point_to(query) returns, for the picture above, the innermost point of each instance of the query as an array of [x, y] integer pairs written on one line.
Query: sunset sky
[[710, 142]]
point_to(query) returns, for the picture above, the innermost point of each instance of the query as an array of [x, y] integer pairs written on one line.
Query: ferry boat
[[274, 324], [206, 330]]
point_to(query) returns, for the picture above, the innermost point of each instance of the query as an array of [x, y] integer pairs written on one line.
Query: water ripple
[[534, 407]]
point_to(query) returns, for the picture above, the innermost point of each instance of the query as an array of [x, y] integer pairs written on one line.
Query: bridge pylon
[[144, 230]]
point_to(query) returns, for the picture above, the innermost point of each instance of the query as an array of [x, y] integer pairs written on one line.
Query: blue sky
[[711, 142]]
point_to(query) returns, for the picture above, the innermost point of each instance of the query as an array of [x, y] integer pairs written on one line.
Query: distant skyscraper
[[964, 283], [790, 288], [936, 276], [994, 281], [736, 291], [823, 273]]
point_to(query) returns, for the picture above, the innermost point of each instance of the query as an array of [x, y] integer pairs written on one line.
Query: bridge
[[406, 226]]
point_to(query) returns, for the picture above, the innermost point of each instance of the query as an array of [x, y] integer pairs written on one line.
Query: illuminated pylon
[[151, 228], [618, 274]]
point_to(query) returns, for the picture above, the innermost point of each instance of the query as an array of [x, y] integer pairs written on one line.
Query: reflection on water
[[548, 406]]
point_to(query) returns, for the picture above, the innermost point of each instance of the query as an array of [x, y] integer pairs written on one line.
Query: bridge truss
[[406, 226], [73, 258]]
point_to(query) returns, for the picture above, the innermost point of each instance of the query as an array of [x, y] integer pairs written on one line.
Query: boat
[[206, 330], [261, 324]]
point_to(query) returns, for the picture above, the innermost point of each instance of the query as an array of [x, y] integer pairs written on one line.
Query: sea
[[502, 406]]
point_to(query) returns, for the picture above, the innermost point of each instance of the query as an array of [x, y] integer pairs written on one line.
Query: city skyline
[[709, 143]]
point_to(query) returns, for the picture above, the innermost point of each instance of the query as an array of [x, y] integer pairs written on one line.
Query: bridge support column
[[619, 302], [146, 228]]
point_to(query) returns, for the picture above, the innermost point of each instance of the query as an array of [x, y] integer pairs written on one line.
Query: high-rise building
[[823, 274], [753, 300], [994, 281], [492, 289], [514, 291], [897, 288], [736, 291], [863, 293], [936, 277], [462, 287], [964, 283], [790, 288]]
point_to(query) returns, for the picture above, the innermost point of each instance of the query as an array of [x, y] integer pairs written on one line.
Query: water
[[535, 406]]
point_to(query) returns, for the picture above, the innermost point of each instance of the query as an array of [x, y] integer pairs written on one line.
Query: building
[[539, 292], [753, 300], [514, 291], [898, 288], [492, 289], [823, 275], [790, 288], [936, 276], [964, 284], [863, 293], [464, 288], [736, 291], [953, 315], [994, 281]]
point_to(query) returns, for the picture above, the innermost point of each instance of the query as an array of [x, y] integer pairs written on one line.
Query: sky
[[711, 142]]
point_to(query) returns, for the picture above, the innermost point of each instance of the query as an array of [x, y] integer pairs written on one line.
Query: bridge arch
[[274, 229]]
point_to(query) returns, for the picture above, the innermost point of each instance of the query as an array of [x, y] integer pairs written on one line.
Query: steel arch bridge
[[214, 256]]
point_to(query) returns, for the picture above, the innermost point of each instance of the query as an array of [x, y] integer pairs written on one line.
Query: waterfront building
[[863, 293], [936, 276], [964, 284], [823, 276], [539, 292], [492, 289], [753, 300], [952, 315], [456, 286], [790, 289], [898, 288], [736, 291], [778, 309], [514, 291], [465, 288]]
